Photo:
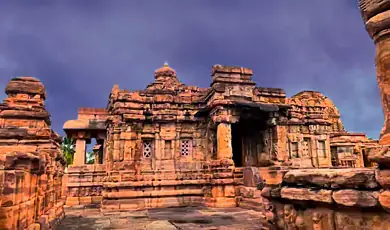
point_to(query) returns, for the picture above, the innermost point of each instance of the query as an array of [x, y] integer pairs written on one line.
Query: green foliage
[[90, 158], [68, 149]]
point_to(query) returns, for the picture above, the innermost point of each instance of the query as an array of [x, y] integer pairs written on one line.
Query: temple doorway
[[248, 141], [237, 137], [366, 161]]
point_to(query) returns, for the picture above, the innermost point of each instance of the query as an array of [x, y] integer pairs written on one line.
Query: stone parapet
[[358, 187], [85, 184]]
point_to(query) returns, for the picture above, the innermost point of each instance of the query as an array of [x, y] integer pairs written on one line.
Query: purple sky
[[80, 49]]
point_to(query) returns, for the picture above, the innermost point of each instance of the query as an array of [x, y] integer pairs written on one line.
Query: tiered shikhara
[[31, 164], [174, 145]]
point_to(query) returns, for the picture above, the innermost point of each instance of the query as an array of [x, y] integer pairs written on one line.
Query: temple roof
[[165, 71], [84, 125]]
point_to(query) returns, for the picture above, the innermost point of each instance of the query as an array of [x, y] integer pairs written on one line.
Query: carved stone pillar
[[224, 141], [79, 156], [376, 15]]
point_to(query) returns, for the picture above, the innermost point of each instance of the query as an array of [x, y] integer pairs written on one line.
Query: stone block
[[251, 176], [110, 204], [96, 199], [306, 194], [355, 198], [332, 178], [71, 201], [8, 197], [229, 191], [272, 176], [8, 217], [383, 177], [217, 191], [384, 199], [270, 192], [84, 200], [35, 226]]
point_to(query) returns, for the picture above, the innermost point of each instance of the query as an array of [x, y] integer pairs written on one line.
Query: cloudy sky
[[80, 49]]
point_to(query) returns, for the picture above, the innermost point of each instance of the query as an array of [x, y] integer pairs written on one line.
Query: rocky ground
[[190, 218]]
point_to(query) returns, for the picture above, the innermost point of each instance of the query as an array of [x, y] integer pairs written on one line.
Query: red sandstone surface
[[289, 160]]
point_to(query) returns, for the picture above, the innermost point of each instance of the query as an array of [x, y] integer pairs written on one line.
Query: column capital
[[376, 16]]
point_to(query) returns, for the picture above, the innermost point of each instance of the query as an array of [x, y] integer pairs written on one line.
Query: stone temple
[[191, 151], [173, 145]]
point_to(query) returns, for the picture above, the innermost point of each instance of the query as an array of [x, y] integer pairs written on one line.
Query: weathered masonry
[[31, 163], [173, 144]]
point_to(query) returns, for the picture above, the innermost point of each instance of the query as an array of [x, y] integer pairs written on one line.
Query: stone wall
[[84, 184], [31, 164], [322, 199]]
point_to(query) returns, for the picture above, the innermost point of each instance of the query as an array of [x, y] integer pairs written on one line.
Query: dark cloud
[[79, 49]]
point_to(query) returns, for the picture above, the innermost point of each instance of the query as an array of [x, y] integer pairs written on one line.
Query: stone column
[[377, 21], [224, 141], [376, 15], [79, 156]]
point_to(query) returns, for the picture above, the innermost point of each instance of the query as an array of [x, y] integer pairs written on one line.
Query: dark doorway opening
[[248, 141], [333, 152], [366, 162], [237, 145]]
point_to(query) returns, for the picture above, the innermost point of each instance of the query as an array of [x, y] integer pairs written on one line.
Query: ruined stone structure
[[85, 181], [31, 164], [177, 145], [232, 144], [339, 198]]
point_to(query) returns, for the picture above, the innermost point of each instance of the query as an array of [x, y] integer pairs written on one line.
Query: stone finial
[[115, 89], [26, 85], [165, 71]]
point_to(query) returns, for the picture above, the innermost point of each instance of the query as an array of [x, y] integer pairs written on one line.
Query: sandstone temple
[[234, 144], [172, 144]]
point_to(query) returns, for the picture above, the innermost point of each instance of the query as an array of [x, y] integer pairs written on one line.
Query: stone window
[[322, 149], [345, 151], [306, 147], [147, 148], [185, 147], [294, 149]]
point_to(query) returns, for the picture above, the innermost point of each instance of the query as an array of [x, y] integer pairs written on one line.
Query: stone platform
[[163, 219]]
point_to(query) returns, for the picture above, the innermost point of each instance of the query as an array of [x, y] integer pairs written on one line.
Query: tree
[[68, 149], [90, 157]]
